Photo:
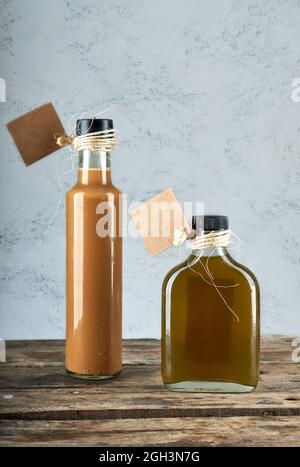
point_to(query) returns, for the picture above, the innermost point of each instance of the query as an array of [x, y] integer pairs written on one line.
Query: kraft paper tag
[[157, 219], [33, 133]]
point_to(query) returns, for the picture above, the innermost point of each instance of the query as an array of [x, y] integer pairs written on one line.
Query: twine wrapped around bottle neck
[[99, 140], [214, 239]]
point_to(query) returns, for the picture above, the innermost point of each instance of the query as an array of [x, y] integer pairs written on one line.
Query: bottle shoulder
[[243, 270], [115, 189], [175, 271], [93, 189], [221, 268]]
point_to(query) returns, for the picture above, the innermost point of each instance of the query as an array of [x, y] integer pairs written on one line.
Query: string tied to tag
[[103, 140], [181, 235], [64, 140]]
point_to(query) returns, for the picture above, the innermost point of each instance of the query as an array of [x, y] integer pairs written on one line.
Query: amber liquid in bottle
[[94, 272], [210, 343]]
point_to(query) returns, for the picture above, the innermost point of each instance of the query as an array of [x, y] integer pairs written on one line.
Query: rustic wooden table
[[40, 405]]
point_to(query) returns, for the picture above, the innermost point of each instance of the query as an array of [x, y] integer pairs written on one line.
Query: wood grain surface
[[41, 405]]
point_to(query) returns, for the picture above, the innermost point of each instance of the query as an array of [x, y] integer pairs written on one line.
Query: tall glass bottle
[[210, 336], [94, 265]]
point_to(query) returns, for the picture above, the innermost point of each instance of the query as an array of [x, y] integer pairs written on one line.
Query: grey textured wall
[[201, 96]]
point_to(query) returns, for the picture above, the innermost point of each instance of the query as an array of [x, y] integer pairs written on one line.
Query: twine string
[[212, 239], [98, 140]]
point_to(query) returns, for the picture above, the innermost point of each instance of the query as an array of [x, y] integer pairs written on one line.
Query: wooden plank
[[38, 391], [160, 432], [52, 352], [95, 403], [41, 405], [135, 351], [142, 378], [32, 390]]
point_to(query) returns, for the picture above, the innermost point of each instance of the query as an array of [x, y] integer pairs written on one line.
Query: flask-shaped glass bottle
[[210, 320]]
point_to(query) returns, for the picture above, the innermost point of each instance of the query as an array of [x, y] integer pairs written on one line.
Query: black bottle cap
[[209, 223], [90, 125]]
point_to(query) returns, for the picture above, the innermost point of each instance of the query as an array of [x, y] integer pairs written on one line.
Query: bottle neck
[[211, 252], [94, 167]]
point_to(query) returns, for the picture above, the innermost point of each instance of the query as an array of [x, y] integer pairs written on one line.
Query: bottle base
[[91, 377], [209, 386]]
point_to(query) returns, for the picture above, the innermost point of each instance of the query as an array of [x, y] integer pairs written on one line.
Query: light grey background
[[201, 96]]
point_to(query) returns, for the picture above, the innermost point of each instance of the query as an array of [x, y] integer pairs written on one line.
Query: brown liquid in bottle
[[94, 275]]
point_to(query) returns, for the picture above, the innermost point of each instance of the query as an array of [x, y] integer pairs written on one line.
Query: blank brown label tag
[[157, 219], [33, 133]]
